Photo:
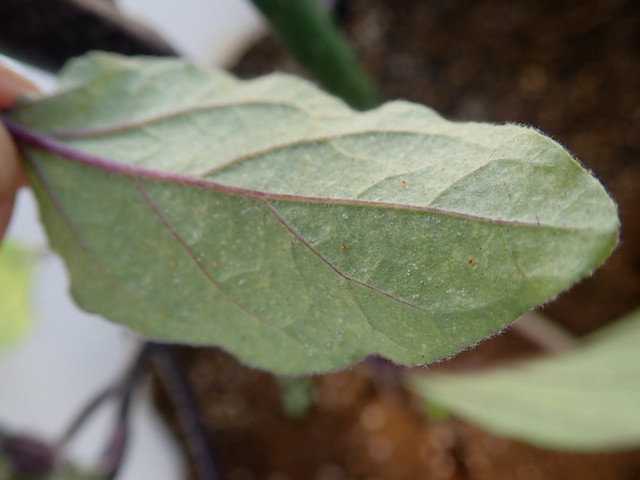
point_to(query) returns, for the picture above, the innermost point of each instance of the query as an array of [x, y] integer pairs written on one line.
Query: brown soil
[[570, 68]]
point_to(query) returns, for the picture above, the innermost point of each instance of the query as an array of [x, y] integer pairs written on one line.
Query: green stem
[[317, 44], [544, 332]]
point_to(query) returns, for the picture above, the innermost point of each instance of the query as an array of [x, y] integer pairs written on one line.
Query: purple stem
[[86, 413], [116, 449], [186, 412]]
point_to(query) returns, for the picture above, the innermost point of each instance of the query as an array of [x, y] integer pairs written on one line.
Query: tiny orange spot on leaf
[[345, 246]]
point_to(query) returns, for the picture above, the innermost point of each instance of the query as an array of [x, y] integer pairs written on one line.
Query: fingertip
[[6, 207], [12, 86], [11, 173]]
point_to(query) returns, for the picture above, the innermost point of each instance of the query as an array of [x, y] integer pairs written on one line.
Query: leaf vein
[[213, 281], [55, 201], [48, 144], [368, 319], [160, 117], [313, 250], [326, 138]]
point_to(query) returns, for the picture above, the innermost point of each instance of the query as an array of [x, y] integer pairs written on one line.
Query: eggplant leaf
[[270, 219], [584, 400]]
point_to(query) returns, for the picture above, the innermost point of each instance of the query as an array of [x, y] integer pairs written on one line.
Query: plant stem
[[85, 414], [122, 390], [544, 333], [181, 397], [317, 44], [116, 448], [190, 422]]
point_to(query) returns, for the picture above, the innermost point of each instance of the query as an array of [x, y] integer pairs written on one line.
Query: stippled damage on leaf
[[268, 218]]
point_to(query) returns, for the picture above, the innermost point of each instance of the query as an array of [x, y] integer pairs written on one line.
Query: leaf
[[268, 218], [583, 400], [16, 268], [296, 395]]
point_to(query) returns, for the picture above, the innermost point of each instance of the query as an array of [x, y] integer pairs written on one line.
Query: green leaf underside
[[585, 400], [268, 218]]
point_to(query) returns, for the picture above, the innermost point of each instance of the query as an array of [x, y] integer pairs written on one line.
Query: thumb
[[12, 86]]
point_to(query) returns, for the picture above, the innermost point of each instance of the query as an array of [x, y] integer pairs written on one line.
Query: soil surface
[[570, 68]]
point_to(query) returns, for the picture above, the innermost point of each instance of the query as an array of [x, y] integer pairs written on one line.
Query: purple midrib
[[42, 142]]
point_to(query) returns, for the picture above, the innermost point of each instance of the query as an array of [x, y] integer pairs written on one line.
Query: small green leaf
[[584, 400], [269, 218], [16, 266], [296, 395], [436, 412]]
